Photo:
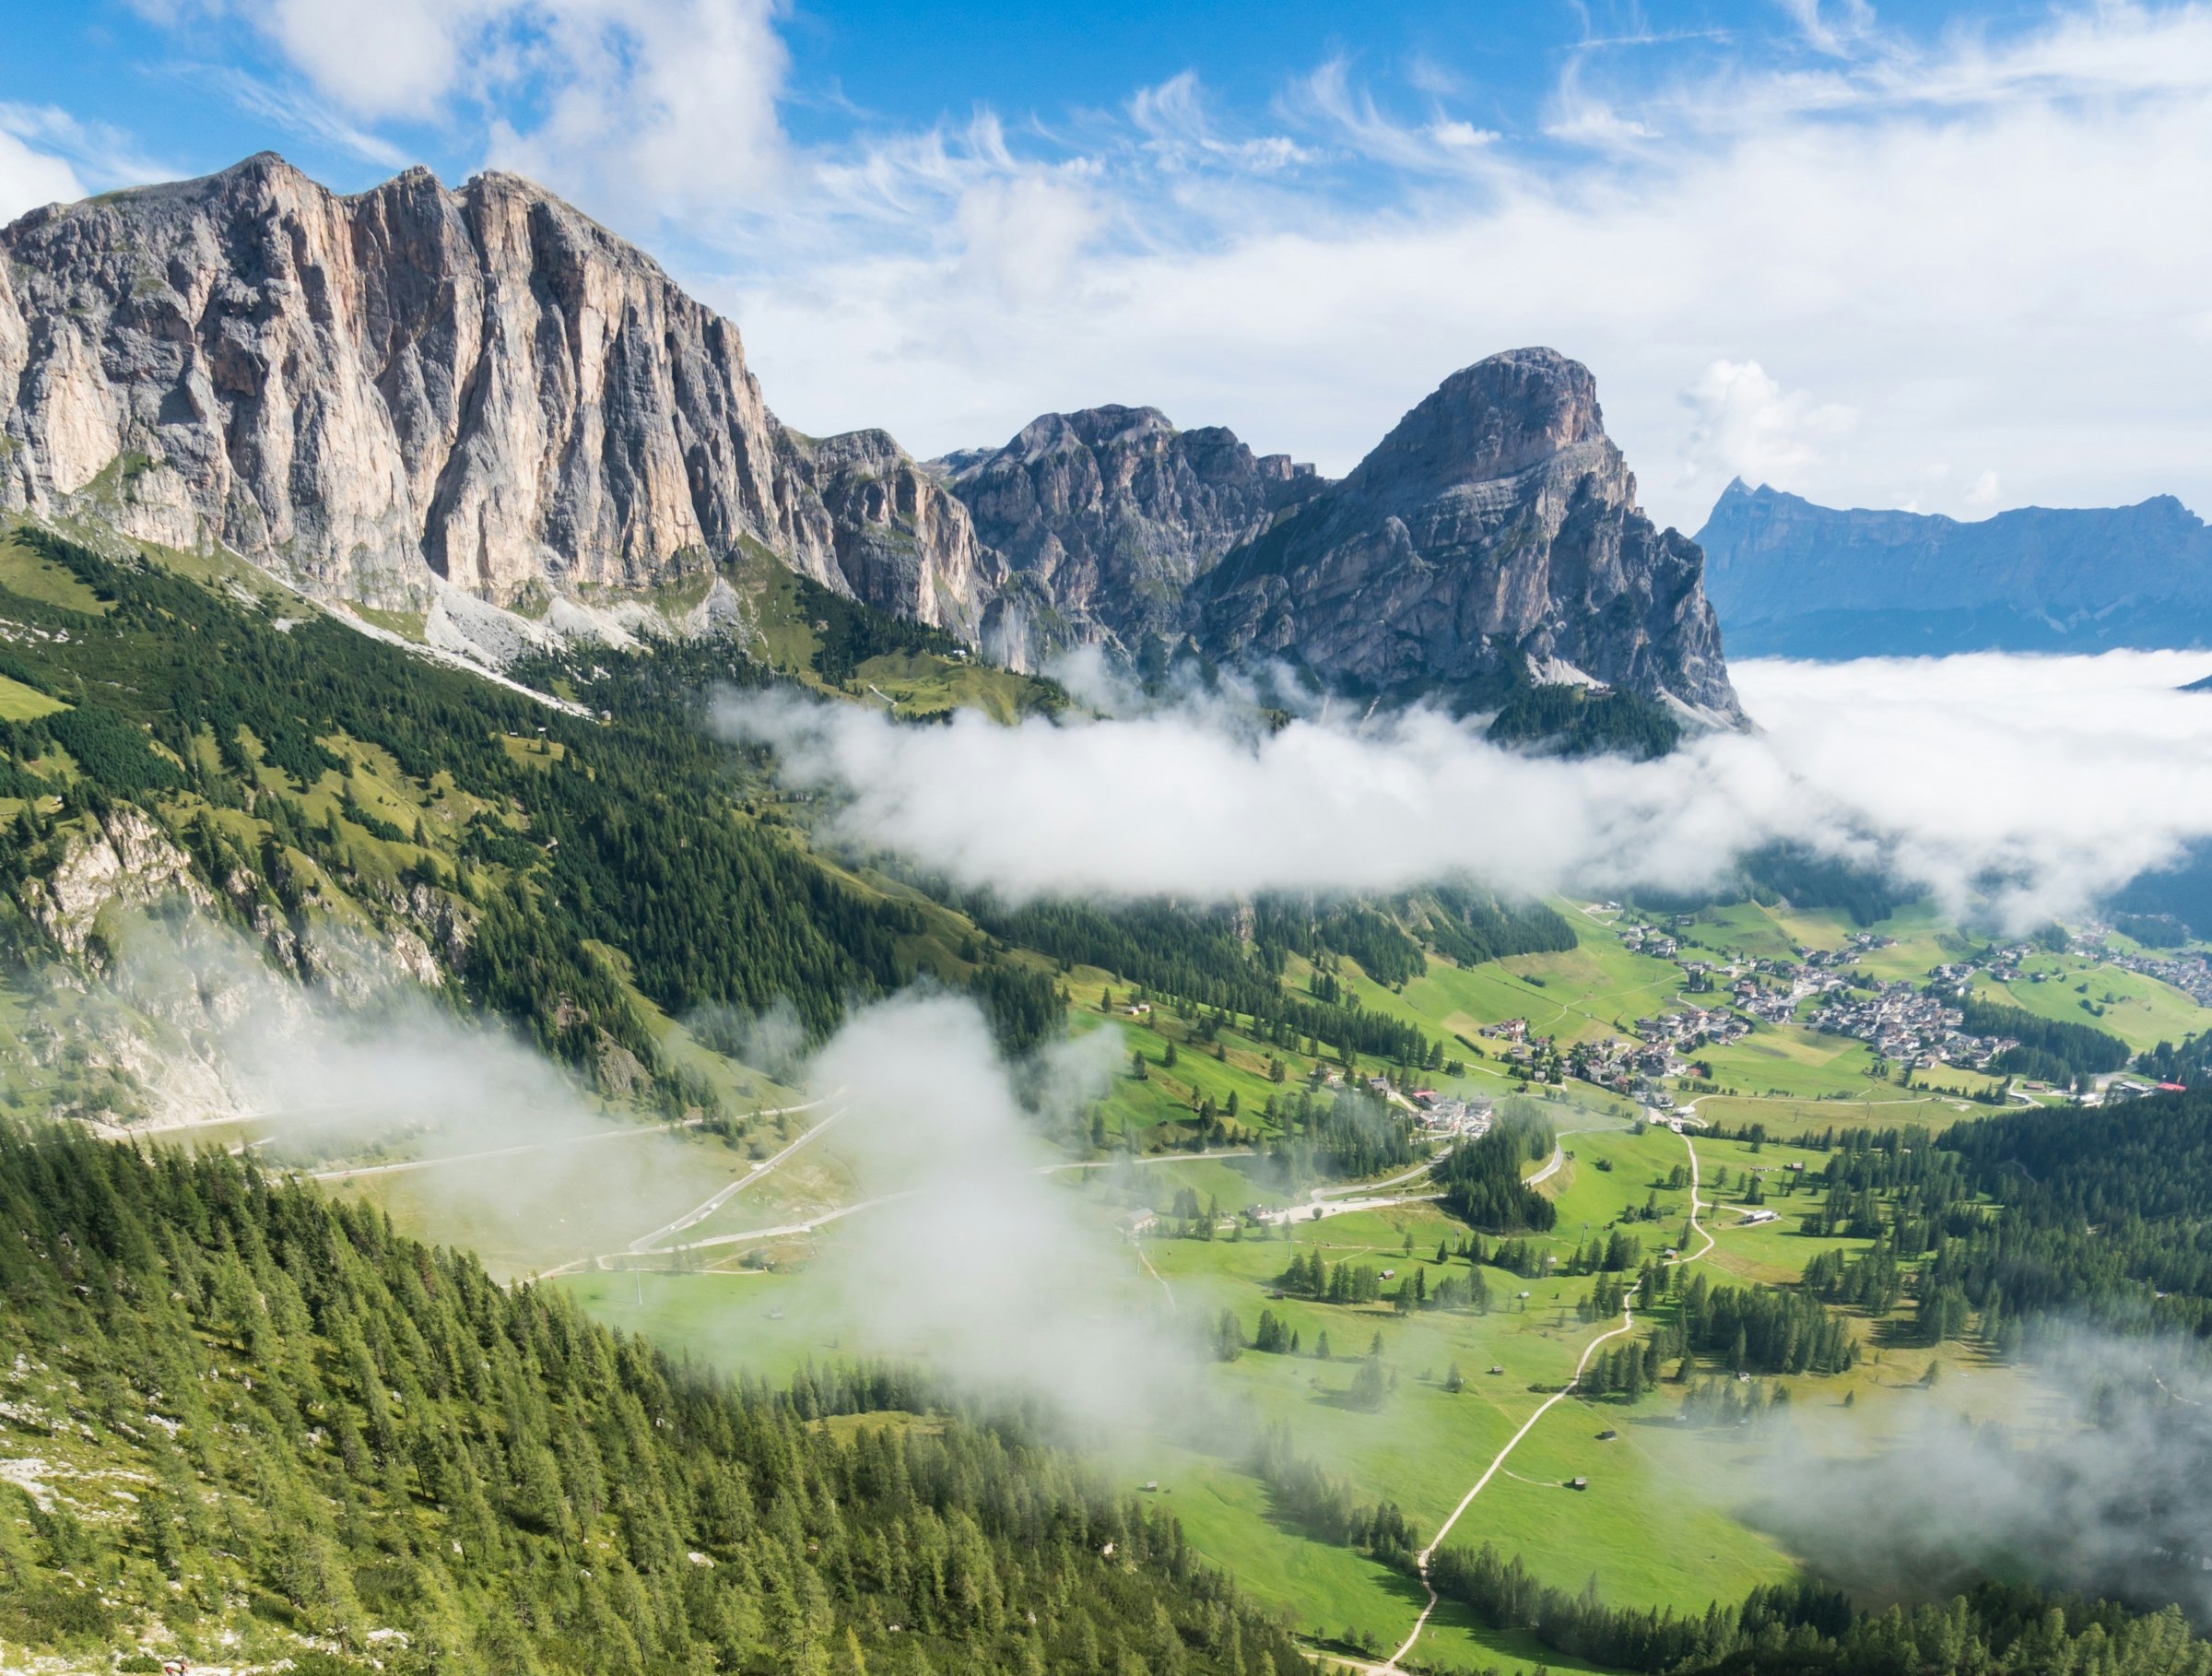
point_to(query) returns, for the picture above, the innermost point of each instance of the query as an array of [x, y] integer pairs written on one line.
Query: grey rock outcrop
[[1497, 522], [1111, 513], [1795, 580], [898, 541], [366, 395], [460, 400]]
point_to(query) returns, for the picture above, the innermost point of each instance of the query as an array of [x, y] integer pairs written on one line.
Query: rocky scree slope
[[382, 397]]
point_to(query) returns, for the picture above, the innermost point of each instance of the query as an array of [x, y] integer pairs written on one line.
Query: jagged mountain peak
[[1493, 419], [1107, 426], [1111, 512], [1492, 534]]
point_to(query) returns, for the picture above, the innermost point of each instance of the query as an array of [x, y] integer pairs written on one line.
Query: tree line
[[1805, 1628]]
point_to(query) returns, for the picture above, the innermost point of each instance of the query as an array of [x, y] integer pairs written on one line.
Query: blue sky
[[1938, 256]]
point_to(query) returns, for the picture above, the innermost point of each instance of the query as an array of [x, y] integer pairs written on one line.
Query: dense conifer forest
[[2106, 1214], [1481, 1178], [545, 831], [1810, 1629], [328, 1432], [2051, 1051]]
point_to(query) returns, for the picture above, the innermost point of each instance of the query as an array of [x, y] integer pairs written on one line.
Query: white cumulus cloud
[[29, 178], [1749, 426]]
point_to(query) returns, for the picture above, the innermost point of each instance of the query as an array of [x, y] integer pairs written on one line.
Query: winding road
[[1559, 1157], [629, 1132], [1627, 1324], [691, 1218], [1334, 1201]]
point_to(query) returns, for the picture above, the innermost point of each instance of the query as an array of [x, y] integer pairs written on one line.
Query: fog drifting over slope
[[973, 1257], [2085, 1475], [2027, 785]]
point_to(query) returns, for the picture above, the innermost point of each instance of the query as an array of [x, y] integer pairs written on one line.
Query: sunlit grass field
[[21, 704], [1663, 1520], [2140, 1010]]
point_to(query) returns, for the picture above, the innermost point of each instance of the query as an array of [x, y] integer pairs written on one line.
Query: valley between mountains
[[504, 1173]]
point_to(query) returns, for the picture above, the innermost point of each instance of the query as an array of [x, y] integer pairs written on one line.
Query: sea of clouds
[[2012, 787]]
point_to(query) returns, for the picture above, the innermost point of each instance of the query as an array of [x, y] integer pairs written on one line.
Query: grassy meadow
[[1670, 1514]]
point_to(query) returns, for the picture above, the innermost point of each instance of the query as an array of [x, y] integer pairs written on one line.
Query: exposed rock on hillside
[[451, 401], [369, 394], [898, 539], [1494, 530], [1111, 512]]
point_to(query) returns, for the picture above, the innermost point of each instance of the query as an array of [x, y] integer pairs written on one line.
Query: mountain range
[[1791, 579], [480, 410]]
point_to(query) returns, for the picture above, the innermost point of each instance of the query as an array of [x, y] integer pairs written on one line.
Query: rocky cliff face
[[1497, 522], [430, 398], [1111, 513], [367, 395], [1796, 580]]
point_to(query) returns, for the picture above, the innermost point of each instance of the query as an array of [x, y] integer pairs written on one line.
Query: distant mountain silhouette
[[1791, 579]]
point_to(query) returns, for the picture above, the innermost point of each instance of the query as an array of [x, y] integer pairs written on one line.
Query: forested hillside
[[2107, 1215], [183, 728], [308, 771], [253, 1412], [179, 725]]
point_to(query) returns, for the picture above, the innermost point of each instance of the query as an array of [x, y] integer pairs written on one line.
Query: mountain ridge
[[1792, 578], [1114, 512], [412, 388], [478, 406]]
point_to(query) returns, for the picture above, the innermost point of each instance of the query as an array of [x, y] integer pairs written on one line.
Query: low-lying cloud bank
[[372, 1070], [2087, 1475], [2021, 786]]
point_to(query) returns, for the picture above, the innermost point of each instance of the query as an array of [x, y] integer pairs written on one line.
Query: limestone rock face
[[897, 537], [1496, 522], [429, 399], [366, 394], [126, 862], [1111, 513]]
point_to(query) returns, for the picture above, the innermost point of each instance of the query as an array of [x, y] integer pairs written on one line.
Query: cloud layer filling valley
[[2026, 786]]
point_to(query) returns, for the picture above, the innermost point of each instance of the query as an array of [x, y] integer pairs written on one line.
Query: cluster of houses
[[1662, 1047], [1520, 1048], [1692, 1028], [1627, 1067], [1649, 939], [2003, 964], [1905, 1026], [1770, 989], [2190, 973]]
